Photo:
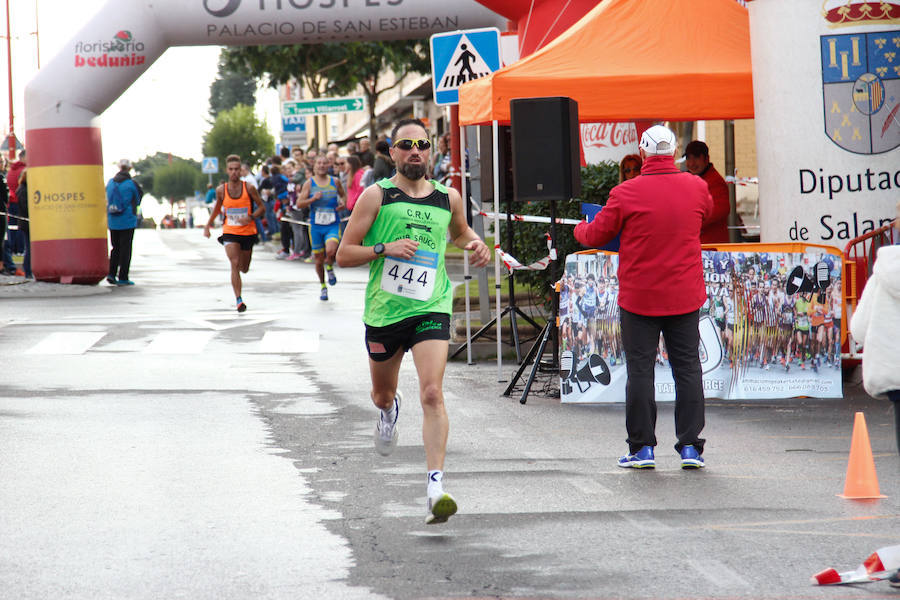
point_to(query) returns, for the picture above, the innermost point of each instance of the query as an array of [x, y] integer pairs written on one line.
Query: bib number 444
[[413, 278], [408, 275]]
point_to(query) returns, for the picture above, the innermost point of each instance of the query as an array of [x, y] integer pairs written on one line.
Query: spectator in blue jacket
[[123, 196]]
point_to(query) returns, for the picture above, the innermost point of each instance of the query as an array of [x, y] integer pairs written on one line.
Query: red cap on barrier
[[826, 577]]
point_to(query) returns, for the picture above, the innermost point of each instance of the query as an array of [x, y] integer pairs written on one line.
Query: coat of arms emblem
[[861, 90]]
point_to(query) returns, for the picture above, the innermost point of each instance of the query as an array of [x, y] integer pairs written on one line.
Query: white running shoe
[[440, 508], [386, 433]]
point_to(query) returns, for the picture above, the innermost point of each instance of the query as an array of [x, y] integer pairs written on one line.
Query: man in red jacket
[[659, 216], [715, 231]]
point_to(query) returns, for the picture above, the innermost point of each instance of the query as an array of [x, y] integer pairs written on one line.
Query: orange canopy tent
[[678, 60]]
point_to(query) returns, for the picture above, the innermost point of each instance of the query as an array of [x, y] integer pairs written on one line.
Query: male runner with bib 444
[[400, 226], [236, 199]]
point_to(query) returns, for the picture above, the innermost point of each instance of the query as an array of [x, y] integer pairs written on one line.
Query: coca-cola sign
[[608, 141]]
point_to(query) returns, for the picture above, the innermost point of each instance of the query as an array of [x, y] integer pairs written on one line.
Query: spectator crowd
[[356, 164], [14, 231]]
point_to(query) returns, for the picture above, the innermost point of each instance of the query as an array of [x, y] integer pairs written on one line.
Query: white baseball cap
[[124, 163], [658, 140]]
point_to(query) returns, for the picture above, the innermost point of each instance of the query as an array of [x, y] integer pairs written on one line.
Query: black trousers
[[286, 236], [894, 396], [640, 337], [120, 256]]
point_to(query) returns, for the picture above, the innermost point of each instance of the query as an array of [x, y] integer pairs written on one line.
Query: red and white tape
[[742, 180], [514, 265], [529, 218], [881, 564], [296, 222]]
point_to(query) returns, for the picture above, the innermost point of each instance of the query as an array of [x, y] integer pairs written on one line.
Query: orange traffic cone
[[862, 481]]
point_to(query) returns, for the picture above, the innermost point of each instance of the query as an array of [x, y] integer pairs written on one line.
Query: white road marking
[[67, 342], [289, 342], [229, 320], [718, 573], [179, 342], [502, 433], [588, 486], [189, 476], [644, 522]]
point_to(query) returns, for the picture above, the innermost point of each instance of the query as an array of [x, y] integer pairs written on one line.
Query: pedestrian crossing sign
[[461, 56], [210, 164]]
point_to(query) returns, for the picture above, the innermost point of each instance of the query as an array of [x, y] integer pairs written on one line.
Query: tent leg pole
[[496, 168], [734, 235], [466, 276]]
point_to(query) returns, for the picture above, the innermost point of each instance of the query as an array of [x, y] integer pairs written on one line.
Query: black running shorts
[[383, 342], [246, 241]]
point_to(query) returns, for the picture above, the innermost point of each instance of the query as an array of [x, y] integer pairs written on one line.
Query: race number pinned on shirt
[[413, 278], [233, 215], [324, 217]]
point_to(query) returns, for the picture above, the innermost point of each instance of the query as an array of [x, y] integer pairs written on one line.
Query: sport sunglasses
[[407, 144]]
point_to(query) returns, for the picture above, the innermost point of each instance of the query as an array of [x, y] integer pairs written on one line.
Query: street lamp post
[[37, 35], [11, 141]]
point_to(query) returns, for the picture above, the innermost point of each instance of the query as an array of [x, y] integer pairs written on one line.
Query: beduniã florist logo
[[120, 51], [121, 38]]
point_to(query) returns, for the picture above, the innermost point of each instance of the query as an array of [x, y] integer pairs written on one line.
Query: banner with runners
[[770, 328]]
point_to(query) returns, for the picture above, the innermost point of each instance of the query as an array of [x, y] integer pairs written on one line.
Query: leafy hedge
[[529, 243]]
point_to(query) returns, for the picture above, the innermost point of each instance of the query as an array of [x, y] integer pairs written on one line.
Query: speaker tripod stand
[[513, 311], [510, 309], [549, 334]]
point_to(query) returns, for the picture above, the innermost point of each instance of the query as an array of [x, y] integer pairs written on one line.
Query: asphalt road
[[156, 444]]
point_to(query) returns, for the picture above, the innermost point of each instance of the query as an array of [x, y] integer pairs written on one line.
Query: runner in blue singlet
[[324, 195]]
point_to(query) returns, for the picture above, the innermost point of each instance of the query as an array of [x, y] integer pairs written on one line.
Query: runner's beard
[[412, 170]]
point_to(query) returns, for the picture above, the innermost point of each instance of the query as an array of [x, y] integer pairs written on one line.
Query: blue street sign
[[210, 164], [462, 56], [293, 123]]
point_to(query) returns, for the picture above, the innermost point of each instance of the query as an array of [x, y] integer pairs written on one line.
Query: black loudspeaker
[[594, 370], [546, 153], [823, 275], [799, 281], [566, 371]]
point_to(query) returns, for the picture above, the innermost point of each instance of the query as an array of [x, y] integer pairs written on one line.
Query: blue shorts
[[320, 234]]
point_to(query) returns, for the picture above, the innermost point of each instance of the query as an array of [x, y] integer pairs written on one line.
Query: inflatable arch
[[67, 200]]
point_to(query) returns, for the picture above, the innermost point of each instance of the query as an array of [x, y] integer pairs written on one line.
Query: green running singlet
[[399, 288]]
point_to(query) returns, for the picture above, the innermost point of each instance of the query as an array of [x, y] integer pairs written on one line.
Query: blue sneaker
[[109, 279], [124, 282], [642, 459], [691, 459], [332, 279], [894, 580], [323, 295]]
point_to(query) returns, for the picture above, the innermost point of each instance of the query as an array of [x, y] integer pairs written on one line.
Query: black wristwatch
[[378, 248]]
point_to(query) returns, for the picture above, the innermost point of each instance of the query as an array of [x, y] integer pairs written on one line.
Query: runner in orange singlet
[[236, 199], [817, 328]]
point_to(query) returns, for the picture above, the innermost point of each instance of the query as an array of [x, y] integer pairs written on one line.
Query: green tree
[[234, 84], [145, 168], [310, 64], [367, 63], [238, 131], [336, 69], [175, 181], [529, 238]]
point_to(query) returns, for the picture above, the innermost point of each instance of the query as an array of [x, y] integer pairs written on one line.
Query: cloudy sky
[[165, 110]]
